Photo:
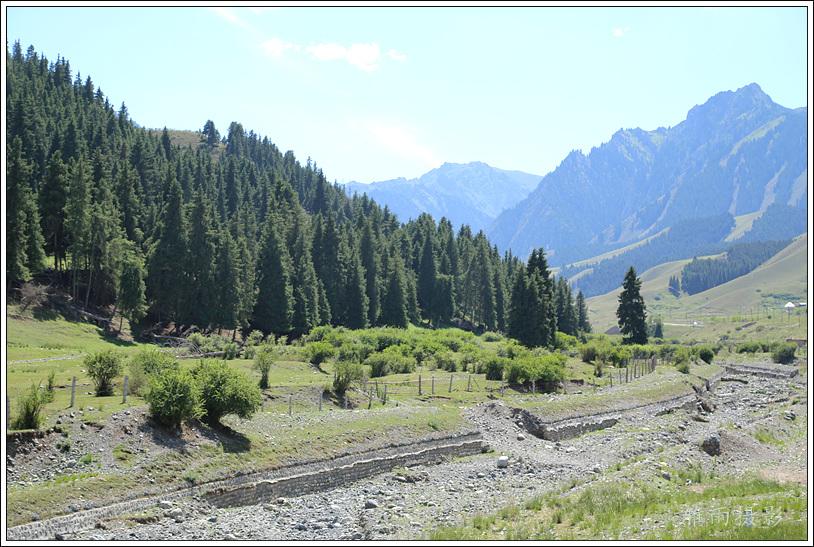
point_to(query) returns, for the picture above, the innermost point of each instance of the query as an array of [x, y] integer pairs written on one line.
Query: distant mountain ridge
[[466, 193], [737, 153]]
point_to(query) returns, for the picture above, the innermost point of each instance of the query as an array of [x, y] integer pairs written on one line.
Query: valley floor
[[645, 477]]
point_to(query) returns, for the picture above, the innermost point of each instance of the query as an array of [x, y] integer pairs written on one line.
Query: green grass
[[724, 308], [630, 509]]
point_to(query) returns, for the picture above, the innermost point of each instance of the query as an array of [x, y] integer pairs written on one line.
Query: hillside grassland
[[756, 298]]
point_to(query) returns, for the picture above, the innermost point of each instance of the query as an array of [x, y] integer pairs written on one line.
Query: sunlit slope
[[781, 278]]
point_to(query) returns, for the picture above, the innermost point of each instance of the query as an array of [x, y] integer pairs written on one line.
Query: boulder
[[503, 462], [371, 504], [712, 445]]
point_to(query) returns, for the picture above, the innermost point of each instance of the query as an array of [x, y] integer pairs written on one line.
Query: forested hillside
[[740, 259], [228, 232], [684, 240]]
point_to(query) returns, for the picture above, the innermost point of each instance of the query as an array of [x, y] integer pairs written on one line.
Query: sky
[[378, 93]]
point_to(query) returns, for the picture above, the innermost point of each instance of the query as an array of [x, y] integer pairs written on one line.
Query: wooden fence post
[[289, 404], [450, 382], [73, 391], [432, 384], [533, 386], [384, 401], [124, 391], [320, 402], [469, 384], [419, 384]]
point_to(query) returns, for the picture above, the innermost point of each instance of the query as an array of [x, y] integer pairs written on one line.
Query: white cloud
[[260, 9], [228, 15], [276, 47], [619, 32], [401, 141], [363, 56], [396, 55]]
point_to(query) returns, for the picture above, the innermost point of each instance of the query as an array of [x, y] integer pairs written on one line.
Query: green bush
[[564, 341], [588, 352], [495, 366], [683, 367], [346, 374], [319, 352], [784, 353], [706, 354], [230, 351], [748, 347], [389, 362], [255, 338], [490, 336], [549, 368], [29, 408], [144, 364], [445, 360], [262, 363], [174, 397], [512, 349], [225, 391], [425, 349], [103, 367]]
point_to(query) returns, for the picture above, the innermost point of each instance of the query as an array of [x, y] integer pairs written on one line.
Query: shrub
[[425, 349], [549, 368], [255, 338], [784, 353], [346, 374], [490, 336], [588, 352], [29, 408], [512, 349], [389, 362], [495, 367], [51, 380], [445, 360], [103, 367], [249, 352], [683, 367], [706, 354], [598, 368], [225, 391], [318, 352], [748, 347], [230, 351], [564, 341], [146, 363], [262, 363], [174, 397]]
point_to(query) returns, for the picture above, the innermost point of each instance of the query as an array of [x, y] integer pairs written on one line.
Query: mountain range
[[465, 193], [737, 153]]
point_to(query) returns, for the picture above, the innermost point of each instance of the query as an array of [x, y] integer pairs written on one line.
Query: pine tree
[[394, 300], [53, 196], [305, 283], [78, 218], [354, 294], [132, 290], [273, 310], [427, 274], [369, 251], [24, 241], [631, 311], [166, 280], [225, 297], [202, 302], [582, 314]]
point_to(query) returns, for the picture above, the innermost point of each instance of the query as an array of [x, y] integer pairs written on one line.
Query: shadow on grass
[[232, 441]]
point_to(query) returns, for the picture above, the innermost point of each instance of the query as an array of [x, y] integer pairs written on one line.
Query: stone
[[666, 476], [596, 469], [213, 518], [481, 474], [371, 504], [712, 445], [165, 504], [789, 415], [503, 462], [699, 418], [521, 437], [280, 501]]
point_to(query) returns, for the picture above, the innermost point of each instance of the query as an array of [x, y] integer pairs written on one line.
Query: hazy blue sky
[[376, 93]]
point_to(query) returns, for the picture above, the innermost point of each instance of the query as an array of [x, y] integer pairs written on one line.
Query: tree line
[[740, 259], [230, 233]]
